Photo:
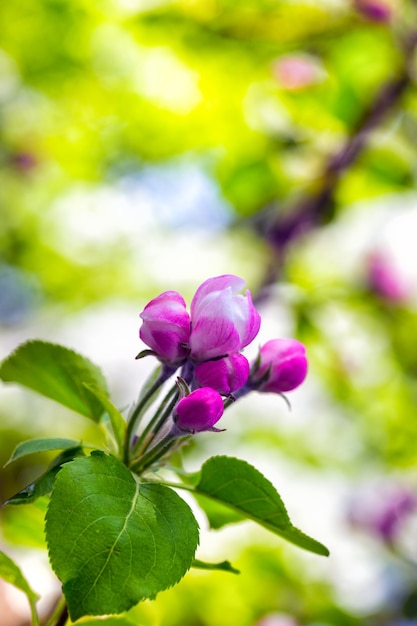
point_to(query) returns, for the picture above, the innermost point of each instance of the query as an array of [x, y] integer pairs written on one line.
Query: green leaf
[[41, 445], [114, 541], [224, 566], [12, 574], [43, 485], [116, 418], [245, 490], [57, 373], [110, 621], [25, 528], [218, 514]]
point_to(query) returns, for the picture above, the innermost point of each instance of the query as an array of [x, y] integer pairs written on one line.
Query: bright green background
[[142, 145]]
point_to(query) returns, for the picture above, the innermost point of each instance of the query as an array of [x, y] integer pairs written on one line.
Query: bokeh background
[[147, 145]]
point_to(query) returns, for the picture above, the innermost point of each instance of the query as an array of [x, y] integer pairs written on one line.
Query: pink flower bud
[[166, 327], [199, 411], [224, 375], [287, 364], [222, 320]]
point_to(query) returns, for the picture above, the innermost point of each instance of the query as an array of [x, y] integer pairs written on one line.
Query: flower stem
[[152, 455], [59, 616], [154, 425], [137, 413]]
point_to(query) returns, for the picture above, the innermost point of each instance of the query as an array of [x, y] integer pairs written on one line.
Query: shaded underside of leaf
[[114, 541], [239, 485], [44, 484], [57, 373]]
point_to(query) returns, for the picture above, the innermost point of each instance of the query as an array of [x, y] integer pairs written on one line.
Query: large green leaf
[[114, 541], [11, 573], [57, 373], [240, 486]]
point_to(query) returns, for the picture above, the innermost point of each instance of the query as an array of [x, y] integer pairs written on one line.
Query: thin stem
[[59, 616], [134, 418], [156, 422], [152, 455]]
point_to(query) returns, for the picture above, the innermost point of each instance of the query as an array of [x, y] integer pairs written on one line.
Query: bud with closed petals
[[199, 411], [225, 375], [166, 327], [281, 366]]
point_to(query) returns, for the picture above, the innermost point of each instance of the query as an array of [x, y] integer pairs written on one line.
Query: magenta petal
[[199, 411], [166, 327], [225, 375], [213, 337], [212, 285]]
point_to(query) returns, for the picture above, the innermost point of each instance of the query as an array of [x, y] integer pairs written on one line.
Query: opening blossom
[[222, 322], [206, 345]]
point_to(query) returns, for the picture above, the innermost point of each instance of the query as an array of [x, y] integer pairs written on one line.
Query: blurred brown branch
[[281, 229]]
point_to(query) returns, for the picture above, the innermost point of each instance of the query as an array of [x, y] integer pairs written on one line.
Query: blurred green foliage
[[128, 128]]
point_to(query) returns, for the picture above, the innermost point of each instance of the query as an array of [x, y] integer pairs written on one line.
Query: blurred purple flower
[[383, 512], [282, 366], [224, 375], [375, 10], [199, 411]]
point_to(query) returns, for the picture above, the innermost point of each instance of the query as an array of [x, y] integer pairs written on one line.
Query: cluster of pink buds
[[206, 345]]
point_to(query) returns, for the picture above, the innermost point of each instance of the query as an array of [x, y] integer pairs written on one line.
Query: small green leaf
[[114, 541], [43, 485], [243, 488], [57, 373], [12, 574], [224, 566], [41, 445], [116, 418]]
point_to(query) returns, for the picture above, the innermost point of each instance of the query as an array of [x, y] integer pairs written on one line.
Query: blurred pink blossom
[[297, 72], [384, 279]]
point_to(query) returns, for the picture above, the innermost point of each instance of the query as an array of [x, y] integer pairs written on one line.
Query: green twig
[[59, 616]]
